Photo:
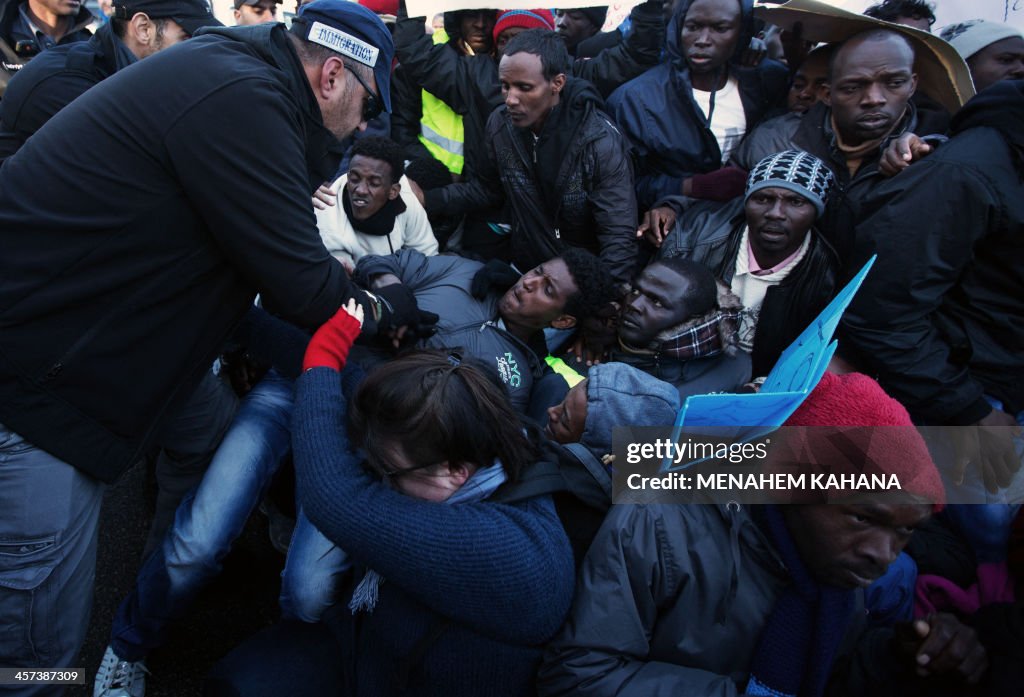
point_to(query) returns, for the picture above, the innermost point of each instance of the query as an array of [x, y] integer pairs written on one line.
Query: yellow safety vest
[[441, 129], [571, 377]]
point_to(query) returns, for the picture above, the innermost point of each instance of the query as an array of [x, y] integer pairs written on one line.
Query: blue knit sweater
[[498, 577]]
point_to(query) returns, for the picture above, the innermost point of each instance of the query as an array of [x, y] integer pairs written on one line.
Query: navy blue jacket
[[10, 63], [53, 80], [138, 224], [669, 132]]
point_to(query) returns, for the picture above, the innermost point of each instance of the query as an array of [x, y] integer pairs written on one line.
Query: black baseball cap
[[254, 3], [190, 15]]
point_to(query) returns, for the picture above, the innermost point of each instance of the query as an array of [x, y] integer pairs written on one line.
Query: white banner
[[949, 11], [429, 8]]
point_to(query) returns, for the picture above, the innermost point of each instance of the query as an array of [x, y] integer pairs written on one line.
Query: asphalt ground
[[240, 602]]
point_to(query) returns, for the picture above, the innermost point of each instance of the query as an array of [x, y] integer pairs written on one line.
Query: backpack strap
[[568, 468], [543, 477], [594, 466]]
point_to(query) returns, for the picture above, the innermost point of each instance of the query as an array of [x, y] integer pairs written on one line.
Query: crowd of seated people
[[542, 229]]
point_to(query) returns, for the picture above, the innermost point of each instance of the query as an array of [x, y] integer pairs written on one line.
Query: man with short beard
[[865, 106]]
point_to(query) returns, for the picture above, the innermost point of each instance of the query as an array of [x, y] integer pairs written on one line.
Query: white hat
[[975, 34]]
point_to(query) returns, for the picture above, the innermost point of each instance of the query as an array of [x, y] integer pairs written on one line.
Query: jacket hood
[[268, 40], [452, 21], [621, 395], [578, 94], [675, 24], [577, 98], [1000, 106]]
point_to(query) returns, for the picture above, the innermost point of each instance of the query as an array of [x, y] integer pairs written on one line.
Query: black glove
[[495, 275], [426, 325], [398, 307]]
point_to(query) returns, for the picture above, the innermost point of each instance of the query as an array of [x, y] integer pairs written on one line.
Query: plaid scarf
[[699, 337]]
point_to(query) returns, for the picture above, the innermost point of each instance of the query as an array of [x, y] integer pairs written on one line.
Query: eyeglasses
[[373, 105], [392, 475]]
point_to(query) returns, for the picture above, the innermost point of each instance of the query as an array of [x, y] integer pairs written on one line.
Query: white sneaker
[[117, 678]]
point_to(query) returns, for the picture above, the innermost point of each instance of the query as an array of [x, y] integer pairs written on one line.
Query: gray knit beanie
[[795, 170]]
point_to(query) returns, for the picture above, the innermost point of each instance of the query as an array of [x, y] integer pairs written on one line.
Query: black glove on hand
[[426, 325], [398, 307], [495, 275]]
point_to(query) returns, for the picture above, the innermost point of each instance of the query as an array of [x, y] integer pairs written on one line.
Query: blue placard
[[797, 371]]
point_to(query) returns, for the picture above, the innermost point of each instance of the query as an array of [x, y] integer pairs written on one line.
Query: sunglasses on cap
[[373, 105]]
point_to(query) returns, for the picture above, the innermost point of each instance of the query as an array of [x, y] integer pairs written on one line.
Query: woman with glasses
[[439, 590]]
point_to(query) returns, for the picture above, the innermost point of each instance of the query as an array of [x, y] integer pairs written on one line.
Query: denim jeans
[[188, 444], [208, 520], [49, 518], [312, 573]]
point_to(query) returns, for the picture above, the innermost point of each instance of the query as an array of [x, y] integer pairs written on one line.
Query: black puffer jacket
[[572, 187], [710, 234], [940, 318]]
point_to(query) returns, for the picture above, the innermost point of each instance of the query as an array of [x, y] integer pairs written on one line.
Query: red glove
[[330, 344]]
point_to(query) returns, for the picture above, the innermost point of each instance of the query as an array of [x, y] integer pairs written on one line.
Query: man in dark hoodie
[[28, 27], [117, 297], [940, 318], [686, 116], [554, 158], [139, 28]]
